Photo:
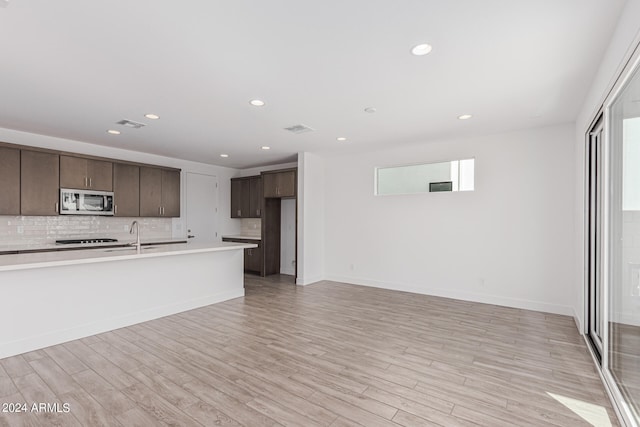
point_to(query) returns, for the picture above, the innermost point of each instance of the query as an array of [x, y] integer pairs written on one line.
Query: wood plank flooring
[[624, 360], [328, 354]]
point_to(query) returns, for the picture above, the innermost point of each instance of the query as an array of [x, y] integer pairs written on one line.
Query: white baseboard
[[304, 281], [461, 295], [50, 338], [578, 319]]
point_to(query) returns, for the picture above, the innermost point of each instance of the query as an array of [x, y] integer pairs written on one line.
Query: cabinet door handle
[[159, 211], [163, 211], [277, 190], [115, 209], [86, 183], [57, 207], [239, 212], [90, 183], [258, 212]]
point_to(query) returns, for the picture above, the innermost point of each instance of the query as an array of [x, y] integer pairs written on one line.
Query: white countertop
[[240, 236], [55, 246], [56, 258]]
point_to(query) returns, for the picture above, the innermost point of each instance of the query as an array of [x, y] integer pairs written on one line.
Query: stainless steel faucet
[[137, 243]]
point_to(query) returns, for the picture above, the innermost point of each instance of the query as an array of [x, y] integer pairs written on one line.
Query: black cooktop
[[80, 241]]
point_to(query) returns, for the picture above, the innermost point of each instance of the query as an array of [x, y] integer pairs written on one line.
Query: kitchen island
[[53, 297]]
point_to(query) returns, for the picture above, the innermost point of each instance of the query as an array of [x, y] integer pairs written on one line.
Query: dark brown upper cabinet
[[236, 197], [39, 177], [246, 197], [159, 192], [9, 181], [170, 193], [279, 184], [87, 174], [255, 196], [126, 189]]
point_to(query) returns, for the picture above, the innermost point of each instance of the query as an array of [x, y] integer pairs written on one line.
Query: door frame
[[594, 251]]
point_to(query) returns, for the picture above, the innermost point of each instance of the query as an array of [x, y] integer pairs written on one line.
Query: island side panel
[[47, 306]]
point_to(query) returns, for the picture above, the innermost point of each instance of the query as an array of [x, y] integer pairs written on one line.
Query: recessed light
[[421, 49], [370, 110], [341, 138], [257, 102], [465, 117], [152, 116], [113, 132], [224, 155], [265, 147]]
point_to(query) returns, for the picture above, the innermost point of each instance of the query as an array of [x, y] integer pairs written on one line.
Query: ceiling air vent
[[131, 124], [299, 129]]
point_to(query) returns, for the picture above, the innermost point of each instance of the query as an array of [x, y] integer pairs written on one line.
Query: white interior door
[[202, 207]]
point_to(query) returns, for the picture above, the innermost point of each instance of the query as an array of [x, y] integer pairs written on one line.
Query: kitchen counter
[[55, 297], [48, 247], [105, 253], [242, 237]]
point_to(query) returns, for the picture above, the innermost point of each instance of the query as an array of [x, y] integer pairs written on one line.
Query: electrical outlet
[[125, 227], [20, 229]]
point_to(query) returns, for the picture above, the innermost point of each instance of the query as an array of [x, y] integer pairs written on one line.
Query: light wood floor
[[328, 354], [624, 360]]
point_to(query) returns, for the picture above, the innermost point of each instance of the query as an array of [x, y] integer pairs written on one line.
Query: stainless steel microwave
[[85, 202]]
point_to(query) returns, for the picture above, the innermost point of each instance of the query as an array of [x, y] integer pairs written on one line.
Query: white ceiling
[[72, 68]]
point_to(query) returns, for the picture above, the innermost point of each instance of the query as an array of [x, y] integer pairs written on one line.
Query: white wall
[[509, 242], [623, 41], [225, 223], [311, 218]]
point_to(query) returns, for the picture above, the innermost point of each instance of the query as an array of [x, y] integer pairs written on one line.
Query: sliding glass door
[[623, 245]]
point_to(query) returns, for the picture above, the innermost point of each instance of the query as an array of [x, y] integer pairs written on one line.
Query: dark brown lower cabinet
[[253, 259], [252, 256]]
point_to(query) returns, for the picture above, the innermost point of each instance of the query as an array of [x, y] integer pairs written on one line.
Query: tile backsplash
[[251, 227], [35, 230]]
